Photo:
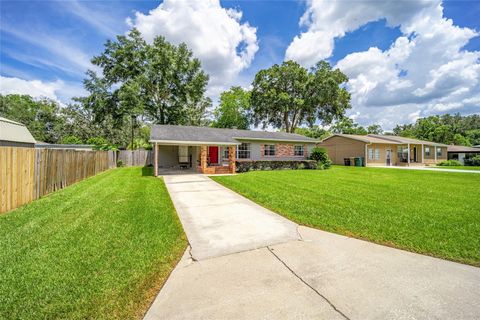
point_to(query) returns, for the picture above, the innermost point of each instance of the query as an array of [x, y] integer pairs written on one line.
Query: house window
[[225, 152], [269, 150], [402, 154], [373, 154], [427, 151], [298, 151], [439, 152], [243, 151]]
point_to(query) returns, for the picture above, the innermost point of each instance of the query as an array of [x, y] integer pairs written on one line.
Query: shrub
[[325, 165], [319, 155], [475, 161], [120, 163], [450, 163], [245, 166]]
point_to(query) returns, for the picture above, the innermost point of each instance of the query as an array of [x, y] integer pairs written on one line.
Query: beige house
[[380, 150]]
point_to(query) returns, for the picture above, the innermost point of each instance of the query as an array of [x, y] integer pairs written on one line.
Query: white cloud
[[56, 90], [327, 20], [224, 45], [425, 71]]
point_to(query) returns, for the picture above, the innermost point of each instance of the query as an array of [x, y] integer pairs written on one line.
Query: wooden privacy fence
[[136, 158], [27, 174]]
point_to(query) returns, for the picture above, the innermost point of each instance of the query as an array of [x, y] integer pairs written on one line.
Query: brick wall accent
[[203, 159], [283, 150], [231, 158]]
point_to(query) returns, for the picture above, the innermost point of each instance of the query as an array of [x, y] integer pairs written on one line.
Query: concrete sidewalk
[[318, 275], [218, 221], [325, 276]]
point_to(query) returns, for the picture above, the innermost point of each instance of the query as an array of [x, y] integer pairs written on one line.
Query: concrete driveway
[[218, 221], [321, 276]]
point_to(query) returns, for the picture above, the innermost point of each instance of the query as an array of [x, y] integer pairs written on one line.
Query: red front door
[[213, 152]]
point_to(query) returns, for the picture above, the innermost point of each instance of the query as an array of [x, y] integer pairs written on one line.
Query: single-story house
[[15, 134], [214, 150], [460, 153], [382, 150]]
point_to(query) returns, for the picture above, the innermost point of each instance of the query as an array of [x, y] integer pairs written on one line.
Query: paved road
[[321, 276]]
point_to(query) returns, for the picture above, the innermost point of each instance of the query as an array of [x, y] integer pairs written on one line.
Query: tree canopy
[[159, 81], [447, 128], [233, 110], [287, 96], [41, 116]]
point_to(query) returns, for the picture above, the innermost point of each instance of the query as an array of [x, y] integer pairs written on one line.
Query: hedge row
[[244, 166]]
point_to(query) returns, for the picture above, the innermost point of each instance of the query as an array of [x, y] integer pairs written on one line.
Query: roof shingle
[[205, 135]]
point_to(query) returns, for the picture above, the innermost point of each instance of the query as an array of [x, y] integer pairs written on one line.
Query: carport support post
[[203, 158], [231, 158], [155, 159], [408, 153], [423, 153]]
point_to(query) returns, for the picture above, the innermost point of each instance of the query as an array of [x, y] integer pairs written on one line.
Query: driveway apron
[[218, 221]]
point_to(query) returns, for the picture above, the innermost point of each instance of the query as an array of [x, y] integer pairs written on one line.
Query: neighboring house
[[214, 150], [77, 147], [15, 134], [380, 150], [460, 153]]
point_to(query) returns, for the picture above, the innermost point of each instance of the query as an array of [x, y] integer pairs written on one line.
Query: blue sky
[[405, 60]]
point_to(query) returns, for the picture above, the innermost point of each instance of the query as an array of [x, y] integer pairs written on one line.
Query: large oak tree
[[288, 95], [159, 81]]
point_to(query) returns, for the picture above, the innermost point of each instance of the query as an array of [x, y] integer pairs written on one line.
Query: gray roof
[[205, 135], [14, 132], [384, 139], [453, 148], [406, 140]]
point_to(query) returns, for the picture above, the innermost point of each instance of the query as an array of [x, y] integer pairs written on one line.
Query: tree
[[314, 132], [40, 116], [374, 129], [160, 82], [287, 96], [348, 126], [233, 110], [446, 129]]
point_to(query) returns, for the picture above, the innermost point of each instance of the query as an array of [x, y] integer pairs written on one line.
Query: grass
[[434, 213], [100, 249], [459, 167]]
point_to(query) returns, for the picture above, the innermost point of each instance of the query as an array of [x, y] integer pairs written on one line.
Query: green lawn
[[459, 167], [100, 249], [436, 213]]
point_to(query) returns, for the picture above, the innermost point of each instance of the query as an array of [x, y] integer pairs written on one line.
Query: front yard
[[435, 213], [100, 249]]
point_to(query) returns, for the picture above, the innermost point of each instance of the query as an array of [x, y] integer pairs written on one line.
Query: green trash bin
[[358, 162], [362, 160]]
